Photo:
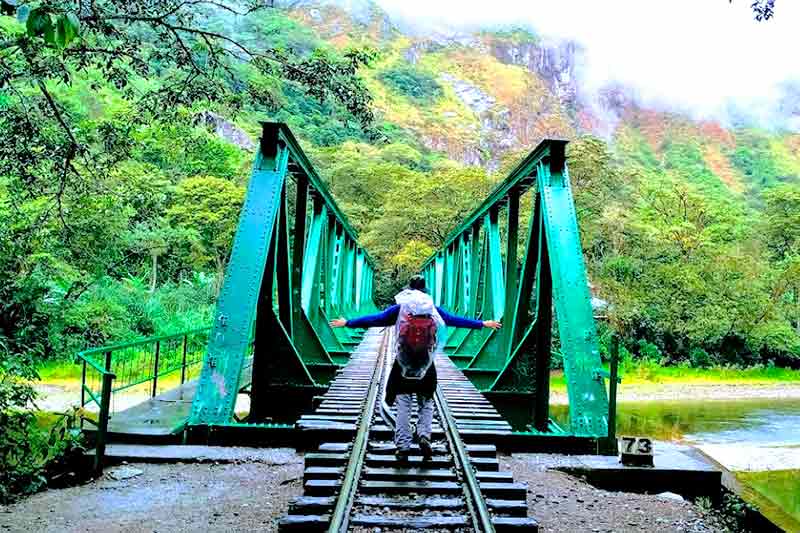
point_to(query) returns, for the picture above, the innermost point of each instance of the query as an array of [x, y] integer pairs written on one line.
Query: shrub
[[29, 454], [700, 358], [32, 456], [649, 351], [413, 83]]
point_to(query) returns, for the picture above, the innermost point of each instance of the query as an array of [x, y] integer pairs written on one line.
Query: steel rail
[[476, 504], [344, 502]]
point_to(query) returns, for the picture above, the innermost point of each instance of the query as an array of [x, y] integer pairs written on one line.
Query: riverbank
[[647, 382]]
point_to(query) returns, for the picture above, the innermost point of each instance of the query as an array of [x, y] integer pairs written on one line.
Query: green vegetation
[[775, 493], [641, 374], [694, 274], [117, 203], [417, 85]]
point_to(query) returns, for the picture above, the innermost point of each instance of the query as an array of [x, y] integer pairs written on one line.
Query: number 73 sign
[[636, 451]]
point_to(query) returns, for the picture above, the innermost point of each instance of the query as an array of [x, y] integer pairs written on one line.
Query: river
[[759, 440]]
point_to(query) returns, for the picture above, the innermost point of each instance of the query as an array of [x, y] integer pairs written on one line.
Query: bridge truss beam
[[294, 263], [478, 271]]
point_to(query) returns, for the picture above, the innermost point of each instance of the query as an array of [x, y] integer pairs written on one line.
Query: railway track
[[353, 482]]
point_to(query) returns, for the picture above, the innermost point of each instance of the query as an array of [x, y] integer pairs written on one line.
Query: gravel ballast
[[563, 503], [253, 496], [243, 496]]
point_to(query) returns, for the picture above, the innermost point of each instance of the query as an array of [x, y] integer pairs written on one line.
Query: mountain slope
[[491, 92]]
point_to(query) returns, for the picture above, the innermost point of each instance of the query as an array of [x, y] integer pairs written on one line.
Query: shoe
[[402, 454], [426, 448]]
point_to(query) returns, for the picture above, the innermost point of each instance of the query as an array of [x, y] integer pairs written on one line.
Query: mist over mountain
[[475, 81]]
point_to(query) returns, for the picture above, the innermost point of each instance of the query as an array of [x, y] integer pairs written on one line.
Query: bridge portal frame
[[293, 264], [477, 272]]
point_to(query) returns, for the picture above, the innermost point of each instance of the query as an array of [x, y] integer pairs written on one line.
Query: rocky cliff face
[[225, 129], [555, 62]]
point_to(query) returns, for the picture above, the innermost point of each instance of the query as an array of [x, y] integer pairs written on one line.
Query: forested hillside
[[690, 228], [122, 172]]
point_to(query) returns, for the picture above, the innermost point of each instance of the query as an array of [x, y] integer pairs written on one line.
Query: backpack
[[417, 335]]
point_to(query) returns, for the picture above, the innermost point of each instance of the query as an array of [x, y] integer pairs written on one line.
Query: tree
[[782, 220], [208, 208], [419, 211], [157, 58], [762, 9], [84, 87]]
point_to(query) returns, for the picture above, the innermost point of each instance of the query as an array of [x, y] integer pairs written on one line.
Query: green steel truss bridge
[[296, 262]]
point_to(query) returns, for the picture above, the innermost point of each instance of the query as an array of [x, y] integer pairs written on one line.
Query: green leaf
[[50, 31], [66, 29], [38, 22]]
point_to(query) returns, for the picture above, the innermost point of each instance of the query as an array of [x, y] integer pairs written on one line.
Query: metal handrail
[[105, 369], [91, 362], [139, 342]]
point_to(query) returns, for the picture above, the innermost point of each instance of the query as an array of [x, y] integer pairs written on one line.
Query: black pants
[[398, 384]]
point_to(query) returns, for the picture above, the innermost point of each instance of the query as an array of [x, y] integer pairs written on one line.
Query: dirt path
[[564, 504], [165, 498]]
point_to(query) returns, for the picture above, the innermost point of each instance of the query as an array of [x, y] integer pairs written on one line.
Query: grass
[[776, 493], [59, 371]]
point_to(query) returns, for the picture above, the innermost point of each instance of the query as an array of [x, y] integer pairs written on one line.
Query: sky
[[697, 56]]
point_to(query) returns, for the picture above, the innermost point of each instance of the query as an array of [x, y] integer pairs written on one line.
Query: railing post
[[83, 389], [155, 369], [612, 396], [102, 421], [83, 384], [183, 360]]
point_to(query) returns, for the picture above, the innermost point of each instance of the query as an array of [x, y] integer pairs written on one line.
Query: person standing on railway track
[[420, 327]]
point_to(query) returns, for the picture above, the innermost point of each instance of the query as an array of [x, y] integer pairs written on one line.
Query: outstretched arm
[[464, 322], [386, 318]]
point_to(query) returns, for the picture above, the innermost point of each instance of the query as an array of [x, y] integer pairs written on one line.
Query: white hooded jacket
[[414, 302]]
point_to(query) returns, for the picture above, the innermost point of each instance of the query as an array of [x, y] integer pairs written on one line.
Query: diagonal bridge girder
[[295, 262]]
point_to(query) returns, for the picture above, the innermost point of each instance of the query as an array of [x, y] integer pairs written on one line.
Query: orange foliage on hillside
[[721, 167], [653, 125], [793, 143], [713, 131]]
